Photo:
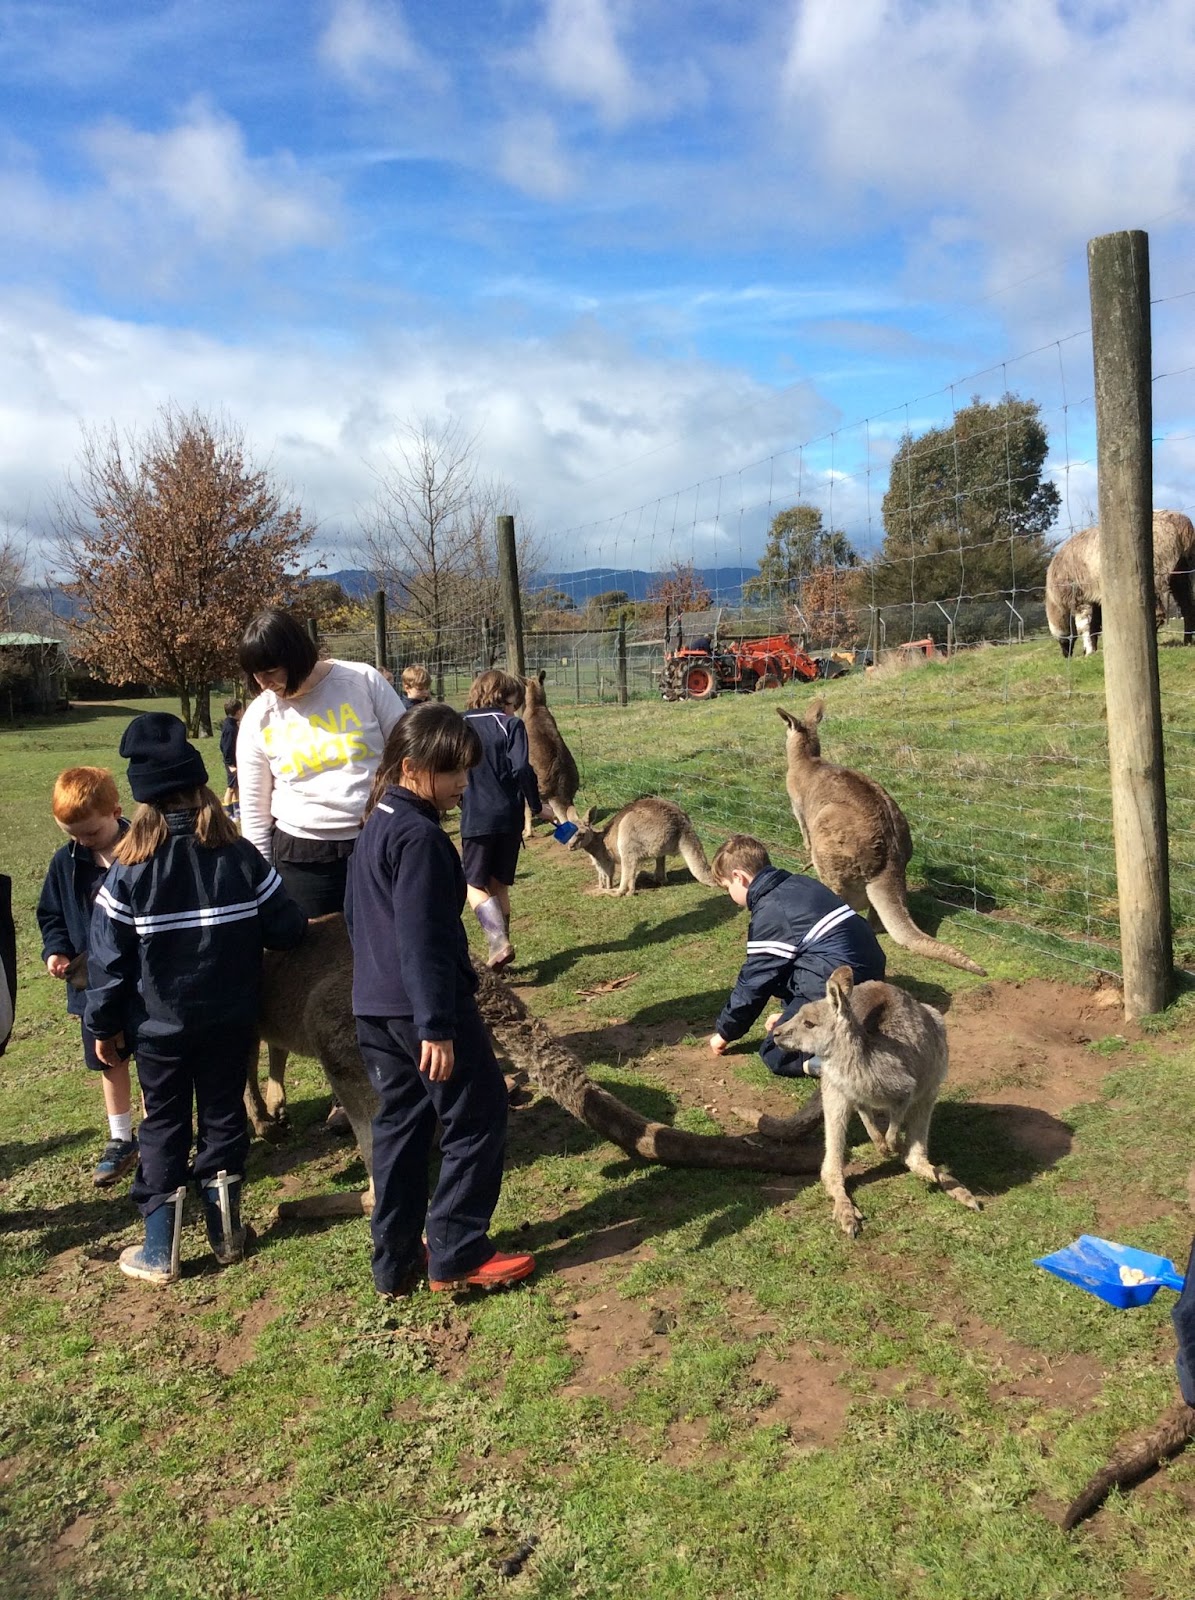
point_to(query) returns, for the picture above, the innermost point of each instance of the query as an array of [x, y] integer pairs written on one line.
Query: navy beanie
[[161, 761]]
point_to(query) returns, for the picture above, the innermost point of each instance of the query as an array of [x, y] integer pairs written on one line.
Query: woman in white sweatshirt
[[307, 750]]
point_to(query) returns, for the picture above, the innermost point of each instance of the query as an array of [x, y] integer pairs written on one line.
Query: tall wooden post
[[622, 659], [1118, 272], [379, 630], [508, 578]]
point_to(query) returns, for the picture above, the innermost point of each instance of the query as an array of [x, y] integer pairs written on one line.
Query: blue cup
[[563, 832]]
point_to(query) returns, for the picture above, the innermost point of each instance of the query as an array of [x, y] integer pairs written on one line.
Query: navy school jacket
[[73, 880], [229, 729], [501, 780], [798, 928], [175, 942], [406, 891]]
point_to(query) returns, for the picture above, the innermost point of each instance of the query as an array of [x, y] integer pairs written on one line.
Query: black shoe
[[119, 1157]]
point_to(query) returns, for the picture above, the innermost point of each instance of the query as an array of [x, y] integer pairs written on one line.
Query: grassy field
[[706, 1390]]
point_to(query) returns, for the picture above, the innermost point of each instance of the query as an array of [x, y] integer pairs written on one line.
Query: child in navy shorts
[[492, 809], [799, 932]]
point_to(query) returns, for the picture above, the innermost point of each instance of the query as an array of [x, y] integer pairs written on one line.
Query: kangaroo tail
[[888, 897], [694, 857], [1133, 1461]]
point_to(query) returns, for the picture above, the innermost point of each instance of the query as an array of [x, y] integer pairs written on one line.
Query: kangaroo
[[884, 1055], [551, 759], [648, 828], [858, 839]]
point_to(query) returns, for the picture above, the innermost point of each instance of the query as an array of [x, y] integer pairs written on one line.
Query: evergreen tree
[[798, 544], [967, 512]]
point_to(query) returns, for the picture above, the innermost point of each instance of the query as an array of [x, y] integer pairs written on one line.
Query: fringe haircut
[[433, 738], [148, 831], [740, 853]]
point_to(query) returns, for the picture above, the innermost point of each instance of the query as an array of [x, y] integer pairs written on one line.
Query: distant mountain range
[[724, 583]]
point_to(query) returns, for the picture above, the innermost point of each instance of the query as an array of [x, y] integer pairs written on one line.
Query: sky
[[673, 263]]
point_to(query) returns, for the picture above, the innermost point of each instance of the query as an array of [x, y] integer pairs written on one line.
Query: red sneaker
[[498, 1272]]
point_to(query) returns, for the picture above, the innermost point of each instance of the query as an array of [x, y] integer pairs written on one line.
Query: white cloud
[[366, 39], [530, 157], [1020, 123], [577, 50], [163, 205], [582, 426]]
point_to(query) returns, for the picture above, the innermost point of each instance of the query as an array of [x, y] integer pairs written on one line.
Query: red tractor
[[699, 671]]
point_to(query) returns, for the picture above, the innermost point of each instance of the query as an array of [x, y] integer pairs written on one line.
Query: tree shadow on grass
[[702, 918], [53, 1229]]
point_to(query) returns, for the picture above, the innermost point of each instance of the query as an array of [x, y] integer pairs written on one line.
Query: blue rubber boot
[[156, 1261], [222, 1214], [497, 935]]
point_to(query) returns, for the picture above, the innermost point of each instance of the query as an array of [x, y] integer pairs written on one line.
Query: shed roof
[[16, 639]]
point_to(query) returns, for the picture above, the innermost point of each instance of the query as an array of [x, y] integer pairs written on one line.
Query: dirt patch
[[1073, 1381], [806, 1398], [606, 1335], [1028, 1043], [231, 1353]]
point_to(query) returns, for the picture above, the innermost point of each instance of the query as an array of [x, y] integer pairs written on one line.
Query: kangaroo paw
[[848, 1217], [957, 1191]]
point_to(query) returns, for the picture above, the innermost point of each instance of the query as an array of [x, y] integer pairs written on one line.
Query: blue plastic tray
[[563, 831], [1095, 1265]]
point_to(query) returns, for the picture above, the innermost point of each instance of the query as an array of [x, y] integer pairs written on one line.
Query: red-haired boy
[[86, 807]]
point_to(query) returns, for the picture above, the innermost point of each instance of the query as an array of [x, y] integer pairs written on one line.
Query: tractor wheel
[[832, 669], [701, 681], [768, 681], [669, 683]]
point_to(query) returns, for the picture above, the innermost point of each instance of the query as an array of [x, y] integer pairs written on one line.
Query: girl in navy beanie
[[174, 958]]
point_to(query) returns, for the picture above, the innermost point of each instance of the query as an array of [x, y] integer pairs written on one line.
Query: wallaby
[[857, 838], [884, 1055], [648, 829], [551, 759]]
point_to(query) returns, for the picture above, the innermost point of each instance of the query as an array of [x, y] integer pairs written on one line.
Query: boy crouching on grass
[[799, 932], [86, 807]]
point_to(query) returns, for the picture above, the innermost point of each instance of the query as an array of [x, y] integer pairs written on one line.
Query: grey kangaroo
[[551, 759], [648, 829], [857, 838], [884, 1055]]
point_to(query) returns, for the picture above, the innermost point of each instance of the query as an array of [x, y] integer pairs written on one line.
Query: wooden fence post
[[508, 578], [379, 630], [1118, 273], [313, 631], [622, 659]]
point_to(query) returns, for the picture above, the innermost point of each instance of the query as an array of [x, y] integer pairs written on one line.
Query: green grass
[[274, 1430]]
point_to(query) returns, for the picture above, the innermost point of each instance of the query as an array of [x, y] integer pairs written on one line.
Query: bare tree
[[428, 540], [171, 542]]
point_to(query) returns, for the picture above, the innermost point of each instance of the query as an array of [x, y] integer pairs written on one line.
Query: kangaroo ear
[[787, 717], [838, 988], [586, 818], [543, 673], [815, 713]]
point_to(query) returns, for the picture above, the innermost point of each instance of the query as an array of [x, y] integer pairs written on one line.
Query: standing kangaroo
[[858, 839], [648, 829], [551, 759], [884, 1055]]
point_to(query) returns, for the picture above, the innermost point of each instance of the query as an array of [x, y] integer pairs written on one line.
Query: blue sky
[[674, 262]]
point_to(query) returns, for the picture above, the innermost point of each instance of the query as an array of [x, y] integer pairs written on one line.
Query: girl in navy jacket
[[421, 1035], [174, 958], [492, 809]]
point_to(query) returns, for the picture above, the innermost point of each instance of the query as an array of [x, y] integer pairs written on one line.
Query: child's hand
[[718, 1044], [56, 965], [108, 1050], [772, 1021], [437, 1060]]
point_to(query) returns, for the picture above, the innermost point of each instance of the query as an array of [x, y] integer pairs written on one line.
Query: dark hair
[[231, 707], [272, 640], [494, 688], [434, 739]]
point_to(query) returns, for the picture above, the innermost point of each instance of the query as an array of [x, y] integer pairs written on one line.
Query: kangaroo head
[[586, 836], [802, 736], [534, 691], [815, 1026]]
